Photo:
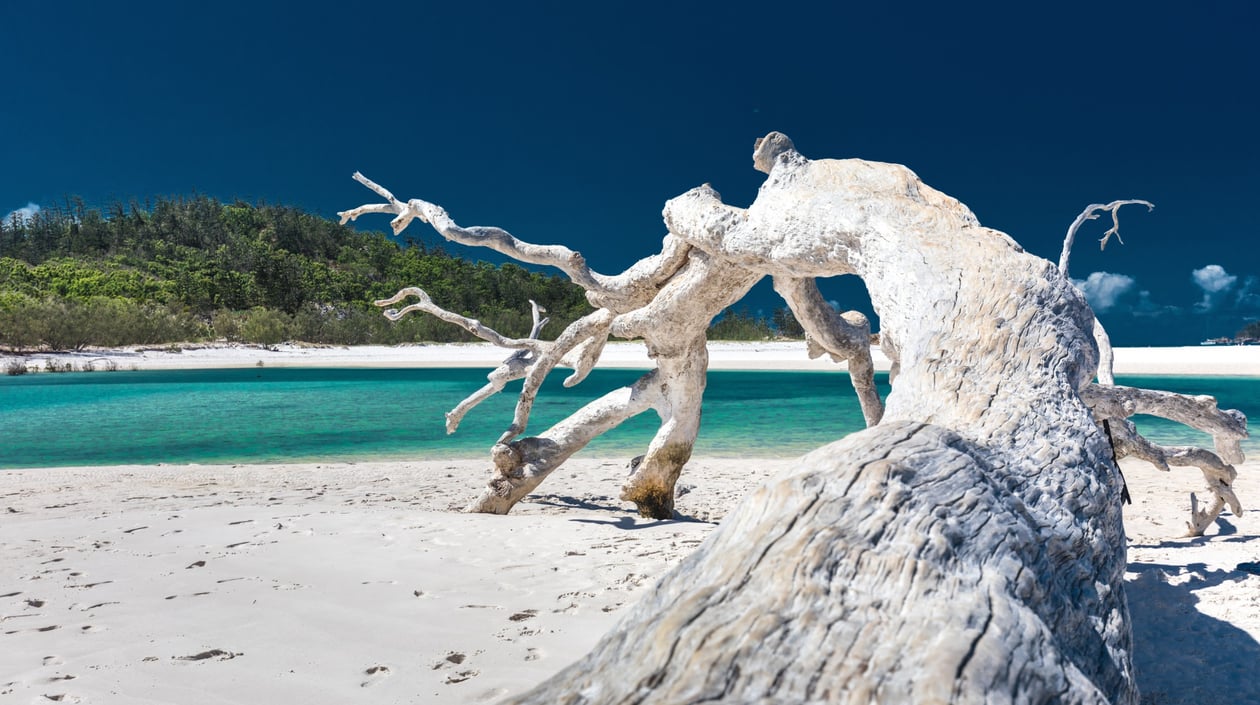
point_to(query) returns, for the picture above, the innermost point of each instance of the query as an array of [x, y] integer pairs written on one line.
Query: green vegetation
[[192, 269], [741, 325]]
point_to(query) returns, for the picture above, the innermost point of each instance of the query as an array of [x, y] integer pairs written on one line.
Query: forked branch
[[1091, 213], [514, 367], [497, 239], [535, 359], [1115, 404], [472, 325]]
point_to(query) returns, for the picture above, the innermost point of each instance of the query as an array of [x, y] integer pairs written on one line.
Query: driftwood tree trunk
[[966, 547]]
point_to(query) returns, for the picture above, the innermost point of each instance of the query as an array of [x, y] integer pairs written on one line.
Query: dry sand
[[770, 355], [347, 583]]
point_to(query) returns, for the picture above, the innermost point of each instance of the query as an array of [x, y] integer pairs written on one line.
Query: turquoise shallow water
[[295, 414]]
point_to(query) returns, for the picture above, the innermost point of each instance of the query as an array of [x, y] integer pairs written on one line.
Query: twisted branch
[[472, 325], [625, 291], [533, 361], [1227, 427], [1091, 213], [844, 337], [513, 368]]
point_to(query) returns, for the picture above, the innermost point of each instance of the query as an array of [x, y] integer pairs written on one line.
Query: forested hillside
[[192, 269]]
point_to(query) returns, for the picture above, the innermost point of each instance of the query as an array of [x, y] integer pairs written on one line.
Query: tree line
[[190, 269]]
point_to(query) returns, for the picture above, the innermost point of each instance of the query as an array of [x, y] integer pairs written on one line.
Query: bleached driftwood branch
[[1106, 365], [513, 368], [1091, 213], [632, 288], [539, 357], [1115, 404], [667, 300], [966, 548]]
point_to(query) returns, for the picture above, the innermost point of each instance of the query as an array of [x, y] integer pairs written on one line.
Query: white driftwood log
[[966, 547]]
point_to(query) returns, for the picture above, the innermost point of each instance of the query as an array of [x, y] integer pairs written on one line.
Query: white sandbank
[[770, 355], [360, 583]]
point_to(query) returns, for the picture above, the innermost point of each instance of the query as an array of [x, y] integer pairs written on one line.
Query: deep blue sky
[[573, 123]]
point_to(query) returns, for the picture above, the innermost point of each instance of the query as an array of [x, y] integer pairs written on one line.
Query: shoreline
[[1222, 360]]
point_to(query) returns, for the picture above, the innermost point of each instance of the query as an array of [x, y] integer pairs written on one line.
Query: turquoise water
[[293, 414]]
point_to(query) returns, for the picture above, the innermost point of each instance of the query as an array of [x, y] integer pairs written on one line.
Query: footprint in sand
[[572, 598], [460, 677], [522, 616], [216, 654], [453, 657], [375, 675]]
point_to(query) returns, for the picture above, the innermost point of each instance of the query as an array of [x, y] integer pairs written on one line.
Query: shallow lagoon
[[301, 414]]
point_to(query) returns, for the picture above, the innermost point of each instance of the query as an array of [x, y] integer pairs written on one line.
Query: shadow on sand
[[1182, 655]]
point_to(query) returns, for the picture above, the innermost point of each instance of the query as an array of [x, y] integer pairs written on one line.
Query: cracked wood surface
[[896, 566]]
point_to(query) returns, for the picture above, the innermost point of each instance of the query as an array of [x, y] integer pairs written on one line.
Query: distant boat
[[1231, 341]]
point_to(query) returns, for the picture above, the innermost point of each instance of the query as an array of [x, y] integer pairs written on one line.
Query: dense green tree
[[200, 268], [181, 269], [740, 325], [785, 323]]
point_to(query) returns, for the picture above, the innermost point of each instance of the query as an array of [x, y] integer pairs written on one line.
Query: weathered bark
[[900, 565], [968, 548]]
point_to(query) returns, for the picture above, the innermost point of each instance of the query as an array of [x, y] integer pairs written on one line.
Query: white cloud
[[1214, 281], [24, 213], [1104, 289], [1213, 278]]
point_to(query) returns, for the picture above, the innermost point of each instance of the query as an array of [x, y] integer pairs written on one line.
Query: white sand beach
[[363, 583], [768, 355]]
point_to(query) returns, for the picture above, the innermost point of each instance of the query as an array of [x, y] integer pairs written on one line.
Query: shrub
[[266, 327]]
